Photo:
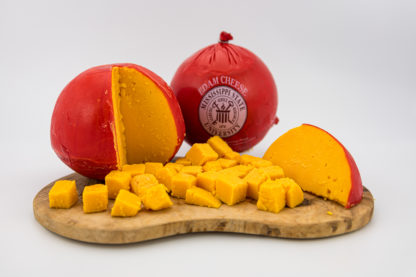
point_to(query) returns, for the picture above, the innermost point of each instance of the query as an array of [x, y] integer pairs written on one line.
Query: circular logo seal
[[222, 111]]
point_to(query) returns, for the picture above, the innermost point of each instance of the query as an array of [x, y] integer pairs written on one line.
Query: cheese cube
[[63, 194], [254, 179], [206, 180], [191, 170], [164, 176], [156, 198], [233, 156], [175, 166], [200, 153], [219, 145], [294, 194], [140, 183], [274, 172], [117, 180], [226, 163], [134, 169], [272, 197], [180, 183], [200, 197], [239, 170], [152, 168], [261, 163], [95, 198], [230, 189], [248, 159], [212, 166], [126, 204], [183, 161]]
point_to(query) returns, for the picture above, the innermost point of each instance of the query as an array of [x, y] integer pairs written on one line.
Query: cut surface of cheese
[[144, 124], [201, 197], [318, 163]]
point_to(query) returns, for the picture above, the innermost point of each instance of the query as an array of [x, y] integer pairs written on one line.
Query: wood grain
[[310, 220]]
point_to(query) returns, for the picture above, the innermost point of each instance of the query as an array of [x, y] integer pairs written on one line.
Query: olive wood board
[[309, 220]]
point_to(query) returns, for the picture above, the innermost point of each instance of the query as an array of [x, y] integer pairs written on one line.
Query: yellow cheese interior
[[315, 160], [144, 125]]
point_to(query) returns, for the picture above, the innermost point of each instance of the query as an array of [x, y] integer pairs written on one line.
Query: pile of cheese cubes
[[209, 174]]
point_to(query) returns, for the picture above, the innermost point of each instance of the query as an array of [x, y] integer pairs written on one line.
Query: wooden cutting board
[[310, 220]]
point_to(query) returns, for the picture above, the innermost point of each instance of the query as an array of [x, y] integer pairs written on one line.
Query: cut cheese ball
[[183, 161], [207, 180], [254, 179], [140, 183], [274, 172], [116, 114], [191, 170], [239, 170], [226, 163], [272, 197], [117, 180], [152, 168], [126, 204], [95, 198], [134, 169], [175, 166], [233, 156], [319, 163], [156, 198], [212, 166], [180, 183], [294, 194], [219, 145], [164, 176], [200, 197], [63, 194], [200, 153], [230, 189]]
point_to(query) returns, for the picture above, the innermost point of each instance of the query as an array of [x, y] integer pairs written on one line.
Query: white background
[[346, 66]]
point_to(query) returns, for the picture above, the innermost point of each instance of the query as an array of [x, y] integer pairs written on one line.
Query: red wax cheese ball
[[319, 163], [226, 90], [115, 114]]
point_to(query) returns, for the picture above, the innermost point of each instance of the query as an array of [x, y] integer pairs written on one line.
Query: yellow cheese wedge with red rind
[[319, 163]]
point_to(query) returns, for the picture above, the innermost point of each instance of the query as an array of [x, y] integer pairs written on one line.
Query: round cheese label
[[222, 111]]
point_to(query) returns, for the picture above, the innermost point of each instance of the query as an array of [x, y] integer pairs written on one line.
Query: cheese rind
[[115, 181], [272, 197], [63, 194], [95, 198], [200, 153], [200, 197], [127, 204]]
